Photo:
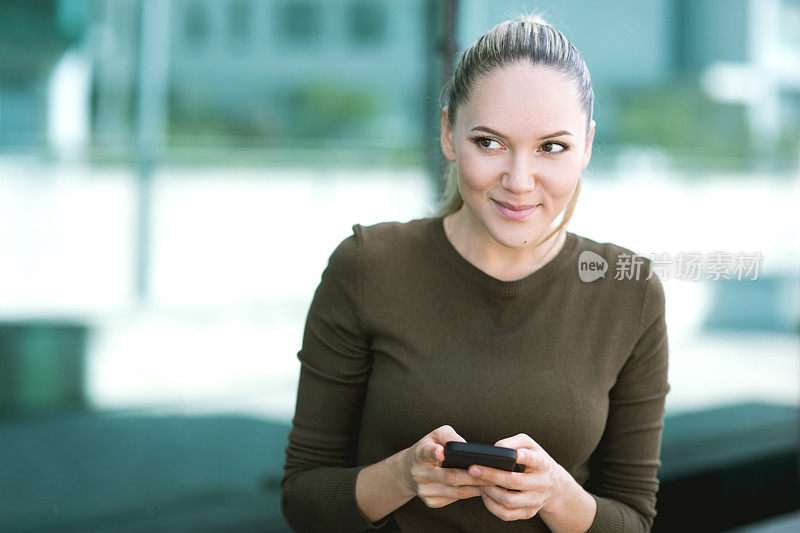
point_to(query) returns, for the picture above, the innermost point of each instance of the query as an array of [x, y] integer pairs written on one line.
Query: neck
[[472, 240]]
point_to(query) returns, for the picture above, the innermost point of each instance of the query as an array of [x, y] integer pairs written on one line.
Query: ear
[[587, 152], [448, 148]]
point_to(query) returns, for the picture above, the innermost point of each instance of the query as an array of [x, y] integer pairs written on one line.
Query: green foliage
[[324, 109], [681, 119], [317, 110]]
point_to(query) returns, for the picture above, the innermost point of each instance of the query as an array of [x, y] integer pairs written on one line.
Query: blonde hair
[[526, 38]]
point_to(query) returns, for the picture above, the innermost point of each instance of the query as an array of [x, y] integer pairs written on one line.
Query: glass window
[[790, 25], [367, 21], [298, 21], [240, 14], [195, 29]]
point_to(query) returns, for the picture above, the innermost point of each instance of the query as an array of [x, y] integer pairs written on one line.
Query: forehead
[[523, 99]]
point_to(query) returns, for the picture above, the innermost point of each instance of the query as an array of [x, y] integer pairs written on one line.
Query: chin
[[518, 244], [511, 239]]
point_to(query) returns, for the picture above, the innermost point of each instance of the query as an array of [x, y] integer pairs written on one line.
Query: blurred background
[[155, 272]]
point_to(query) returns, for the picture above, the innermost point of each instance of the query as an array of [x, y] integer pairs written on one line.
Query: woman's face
[[521, 140]]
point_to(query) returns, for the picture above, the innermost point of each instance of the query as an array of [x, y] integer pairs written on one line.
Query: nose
[[519, 178]]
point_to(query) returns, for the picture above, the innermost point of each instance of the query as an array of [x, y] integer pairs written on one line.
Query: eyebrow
[[490, 130]]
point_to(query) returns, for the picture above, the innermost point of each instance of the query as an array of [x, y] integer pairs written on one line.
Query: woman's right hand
[[424, 476]]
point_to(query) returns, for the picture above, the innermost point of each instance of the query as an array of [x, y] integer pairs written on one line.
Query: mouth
[[513, 212]]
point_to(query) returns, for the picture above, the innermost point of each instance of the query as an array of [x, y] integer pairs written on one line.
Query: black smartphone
[[463, 454]]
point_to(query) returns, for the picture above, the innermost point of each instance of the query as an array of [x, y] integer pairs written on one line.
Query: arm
[[319, 482], [379, 488], [573, 511], [623, 478]]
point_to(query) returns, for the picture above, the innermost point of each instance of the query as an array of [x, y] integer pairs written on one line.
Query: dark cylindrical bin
[[42, 366]]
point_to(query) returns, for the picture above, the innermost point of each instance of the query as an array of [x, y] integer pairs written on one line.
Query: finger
[[459, 476], [520, 440], [509, 480], [504, 513], [437, 452], [509, 500], [446, 495], [446, 433], [461, 493], [438, 502], [434, 453], [532, 459]]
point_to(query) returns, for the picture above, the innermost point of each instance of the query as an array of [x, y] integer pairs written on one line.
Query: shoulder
[[385, 239], [624, 274], [613, 253], [398, 232], [384, 234], [382, 243]]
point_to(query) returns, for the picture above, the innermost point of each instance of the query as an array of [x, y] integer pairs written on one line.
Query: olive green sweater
[[404, 335]]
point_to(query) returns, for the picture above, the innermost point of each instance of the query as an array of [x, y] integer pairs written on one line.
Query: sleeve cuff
[[608, 518], [338, 504]]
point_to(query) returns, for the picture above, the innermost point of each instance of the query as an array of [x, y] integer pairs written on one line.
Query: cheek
[[477, 172], [559, 183], [557, 177]]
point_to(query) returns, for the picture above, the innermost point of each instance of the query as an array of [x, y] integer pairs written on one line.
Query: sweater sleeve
[[623, 479], [319, 480]]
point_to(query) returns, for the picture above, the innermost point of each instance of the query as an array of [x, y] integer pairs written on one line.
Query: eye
[[485, 143], [553, 147]]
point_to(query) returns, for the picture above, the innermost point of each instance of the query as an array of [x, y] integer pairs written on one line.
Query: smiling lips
[[512, 212], [516, 207]]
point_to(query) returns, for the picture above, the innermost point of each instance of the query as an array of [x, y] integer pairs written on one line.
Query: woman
[[485, 324]]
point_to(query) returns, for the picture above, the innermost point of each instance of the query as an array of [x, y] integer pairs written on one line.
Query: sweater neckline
[[481, 278]]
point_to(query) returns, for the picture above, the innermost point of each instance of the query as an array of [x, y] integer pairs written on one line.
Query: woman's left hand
[[538, 485]]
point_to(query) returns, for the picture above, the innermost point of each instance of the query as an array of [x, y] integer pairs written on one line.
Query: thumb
[[441, 436], [446, 433], [436, 453]]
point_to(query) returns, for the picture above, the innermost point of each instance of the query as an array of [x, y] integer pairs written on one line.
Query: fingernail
[[475, 471]]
